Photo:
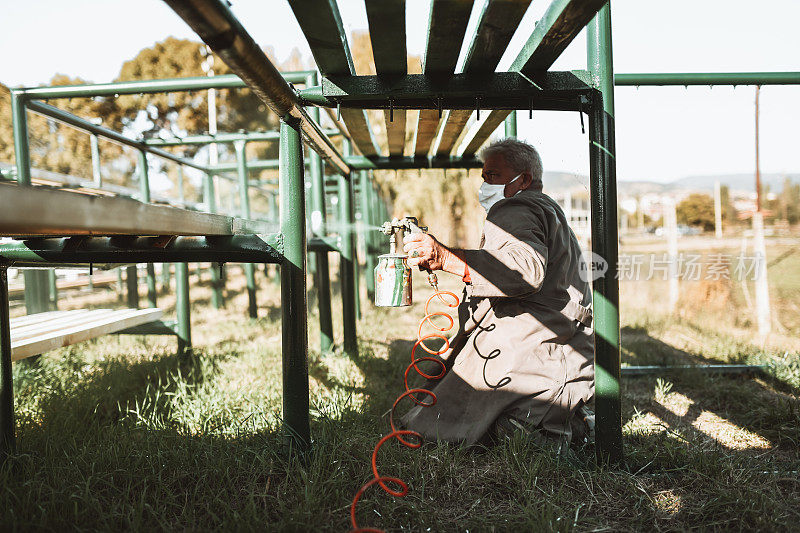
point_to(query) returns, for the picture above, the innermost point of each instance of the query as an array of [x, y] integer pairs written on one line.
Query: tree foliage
[[697, 210], [787, 205]]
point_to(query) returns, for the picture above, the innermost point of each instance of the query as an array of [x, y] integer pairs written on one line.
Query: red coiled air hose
[[398, 434]]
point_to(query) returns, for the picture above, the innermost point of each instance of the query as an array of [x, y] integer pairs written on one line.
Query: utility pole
[[213, 160], [717, 210], [671, 229], [759, 247]]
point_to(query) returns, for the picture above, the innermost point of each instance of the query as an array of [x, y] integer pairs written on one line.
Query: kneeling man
[[523, 357]]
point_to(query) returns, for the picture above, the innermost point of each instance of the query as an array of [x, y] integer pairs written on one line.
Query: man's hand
[[426, 252]]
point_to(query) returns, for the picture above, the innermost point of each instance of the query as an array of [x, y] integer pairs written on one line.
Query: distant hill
[[560, 181], [744, 182]]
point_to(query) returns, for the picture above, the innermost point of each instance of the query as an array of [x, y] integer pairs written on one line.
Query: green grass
[[119, 433]]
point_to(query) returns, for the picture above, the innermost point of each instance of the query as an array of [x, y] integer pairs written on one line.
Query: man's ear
[[526, 180]]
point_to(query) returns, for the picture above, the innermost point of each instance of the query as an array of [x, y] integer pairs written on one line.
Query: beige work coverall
[[524, 348]]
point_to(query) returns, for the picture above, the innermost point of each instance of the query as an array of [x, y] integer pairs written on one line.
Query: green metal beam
[[447, 24], [500, 90], [77, 122], [497, 24], [213, 21], [560, 24], [605, 289], [126, 250], [707, 78], [258, 164], [166, 85], [650, 370], [322, 26], [387, 33], [253, 136], [392, 163]]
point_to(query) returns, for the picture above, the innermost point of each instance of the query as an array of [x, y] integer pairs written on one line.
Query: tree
[[182, 112], [788, 203], [728, 210], [697, 210]]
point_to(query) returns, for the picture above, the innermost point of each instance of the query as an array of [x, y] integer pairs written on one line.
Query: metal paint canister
[[392, 281]]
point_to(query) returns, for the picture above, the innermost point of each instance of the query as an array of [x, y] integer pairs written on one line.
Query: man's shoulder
[[533, 202]]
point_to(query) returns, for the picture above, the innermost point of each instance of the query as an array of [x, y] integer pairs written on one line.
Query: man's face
[[496, 171]]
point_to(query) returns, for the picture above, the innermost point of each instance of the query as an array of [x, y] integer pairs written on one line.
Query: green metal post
[[36, 286], [52, 282], [275, 217], [294, 325], [37, 289], [181, 194], [165, 277], [19, 119], [367, 221], [318, 228], [7, 441], [183, 308], [210, 199], [132, 286], [244, 210], [347, 271], [119, 284], [97, 175], [144, 194], [602, 168], [511, 125]]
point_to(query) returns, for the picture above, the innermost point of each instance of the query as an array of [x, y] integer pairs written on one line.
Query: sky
[[662, 134]]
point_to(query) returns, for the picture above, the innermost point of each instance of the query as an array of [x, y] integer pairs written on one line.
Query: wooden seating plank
[[58, 323], [21, 321], [109, 323]]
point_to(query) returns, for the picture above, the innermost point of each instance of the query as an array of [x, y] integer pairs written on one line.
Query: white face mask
[[489, 194]]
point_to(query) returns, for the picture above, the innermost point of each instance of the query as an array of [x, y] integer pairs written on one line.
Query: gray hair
[[520, 156]]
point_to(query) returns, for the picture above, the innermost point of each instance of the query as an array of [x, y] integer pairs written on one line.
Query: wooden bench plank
[[61, 322], [109, 323], [43, 317]]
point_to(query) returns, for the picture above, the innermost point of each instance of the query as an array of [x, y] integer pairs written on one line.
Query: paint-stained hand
[[425, 251]]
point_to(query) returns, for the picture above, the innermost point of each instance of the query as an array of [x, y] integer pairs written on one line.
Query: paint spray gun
[[393, 275]]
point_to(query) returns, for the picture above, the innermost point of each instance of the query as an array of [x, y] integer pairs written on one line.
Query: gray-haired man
[[523, 356]]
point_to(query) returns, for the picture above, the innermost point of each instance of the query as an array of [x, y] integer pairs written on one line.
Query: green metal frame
[[82, 250], [446, 101], [707, 78]]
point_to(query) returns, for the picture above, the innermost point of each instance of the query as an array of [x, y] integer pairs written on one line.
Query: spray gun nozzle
[[396, 230], [433, 281]]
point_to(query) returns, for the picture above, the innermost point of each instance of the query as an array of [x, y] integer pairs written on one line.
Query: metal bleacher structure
[[58, 227]]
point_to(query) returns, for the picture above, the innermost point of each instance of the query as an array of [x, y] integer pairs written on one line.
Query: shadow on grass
[[762, 403]]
